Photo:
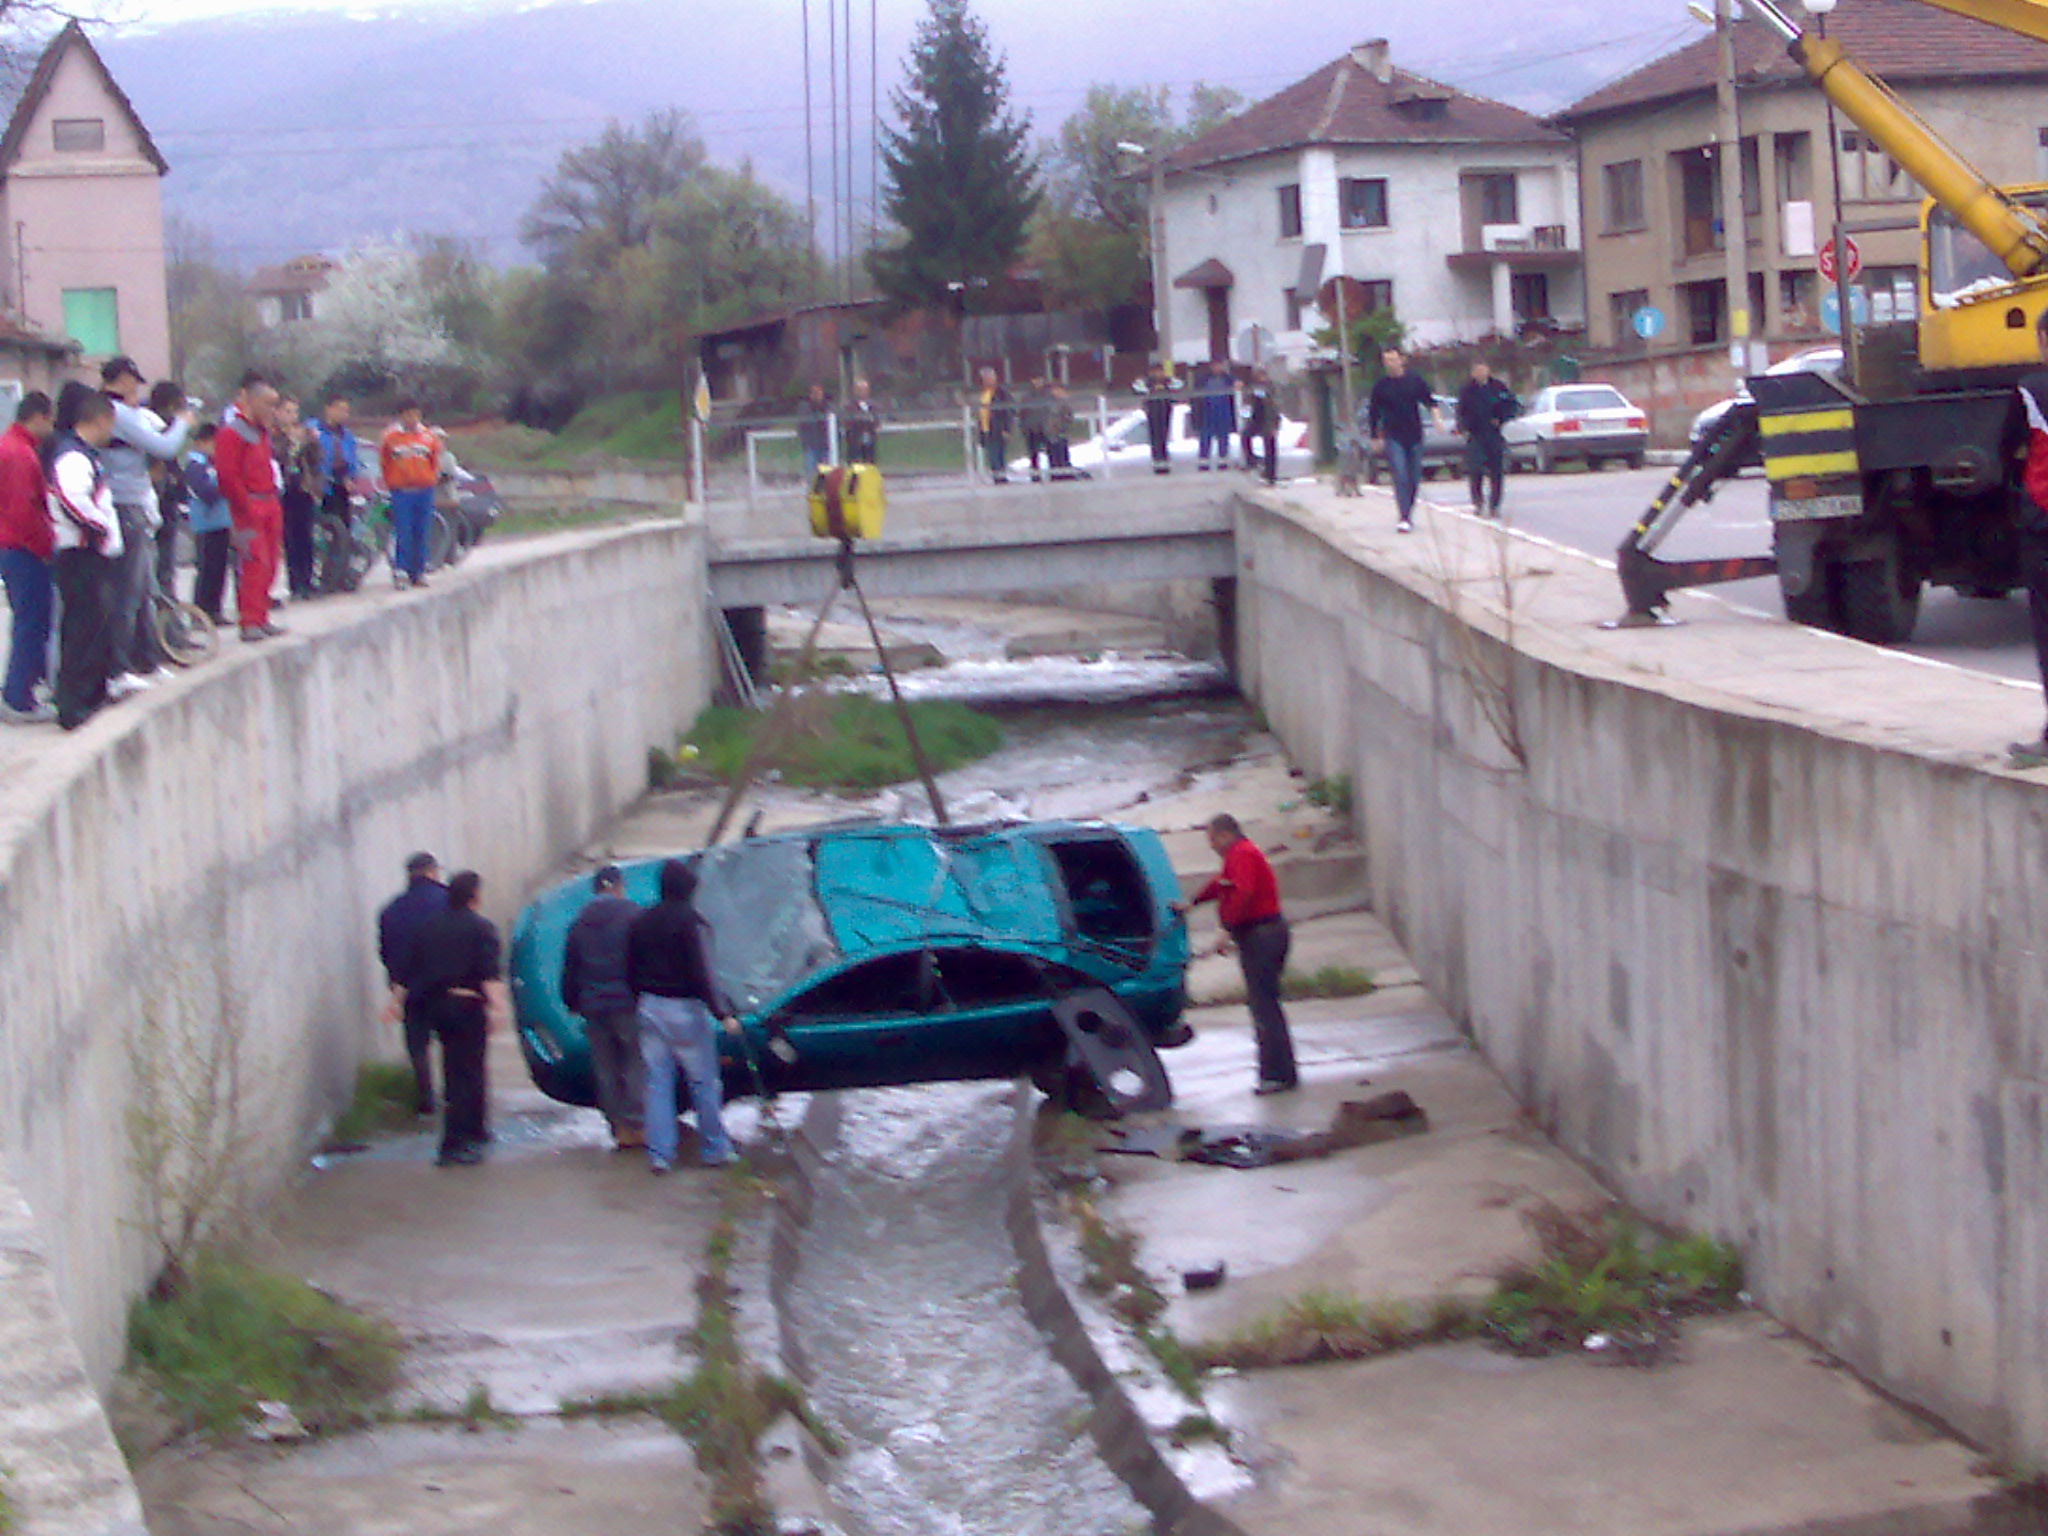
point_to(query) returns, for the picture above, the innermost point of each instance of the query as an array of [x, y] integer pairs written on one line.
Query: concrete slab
[[548, 1479]]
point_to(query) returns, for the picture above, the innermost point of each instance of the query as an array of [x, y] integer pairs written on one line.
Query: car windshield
[[1589, 400]]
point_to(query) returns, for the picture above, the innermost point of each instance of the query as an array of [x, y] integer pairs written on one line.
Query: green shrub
[[234, 1335], [386, 1098], [844, 741]]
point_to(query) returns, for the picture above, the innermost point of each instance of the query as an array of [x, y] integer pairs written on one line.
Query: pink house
[[81, 212]]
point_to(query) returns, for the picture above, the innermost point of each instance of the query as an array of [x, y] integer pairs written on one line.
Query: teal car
[[876, 954]]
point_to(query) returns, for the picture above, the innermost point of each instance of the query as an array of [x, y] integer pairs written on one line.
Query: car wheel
[[1594, 464], [1634, 461]]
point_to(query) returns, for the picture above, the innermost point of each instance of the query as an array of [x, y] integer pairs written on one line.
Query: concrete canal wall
[[1745, 914], [191, 882]]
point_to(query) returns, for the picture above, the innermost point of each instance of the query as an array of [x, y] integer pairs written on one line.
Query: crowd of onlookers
[[99, 488]]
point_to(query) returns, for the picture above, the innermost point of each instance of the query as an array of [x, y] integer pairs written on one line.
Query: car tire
[[1634, 461]]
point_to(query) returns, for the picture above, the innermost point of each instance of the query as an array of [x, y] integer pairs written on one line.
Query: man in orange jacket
[[410, 459], [247, 471]]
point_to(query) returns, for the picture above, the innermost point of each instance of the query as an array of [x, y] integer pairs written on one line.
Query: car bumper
[[1604, 445]]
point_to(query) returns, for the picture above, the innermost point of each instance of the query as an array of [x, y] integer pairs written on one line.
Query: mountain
[[306, 129]]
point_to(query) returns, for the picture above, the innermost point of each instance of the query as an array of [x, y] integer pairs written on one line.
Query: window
[[93, 320], [1622, 189], [1792, 157], [1290, 211], [1796, 302], [295, 306], [1621, 312], [1894, 293], [1530, 295], [1379, 294], [1293, 303], [1364, 202], [1498, 203], [79, 135], [1705, 303], [1752, 180], [1868, 172]]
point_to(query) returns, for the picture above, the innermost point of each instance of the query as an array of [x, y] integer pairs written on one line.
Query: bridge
[[964, 541]]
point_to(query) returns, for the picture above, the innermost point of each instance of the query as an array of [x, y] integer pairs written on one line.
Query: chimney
[[1372, 57]]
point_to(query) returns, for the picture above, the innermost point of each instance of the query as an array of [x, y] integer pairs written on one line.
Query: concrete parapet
[[1748, 916], [192, 879]]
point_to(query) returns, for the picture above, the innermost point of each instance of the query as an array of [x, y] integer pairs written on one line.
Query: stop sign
[[1826, 260]]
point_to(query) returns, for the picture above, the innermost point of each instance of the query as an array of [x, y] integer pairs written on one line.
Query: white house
[[1459, 213]]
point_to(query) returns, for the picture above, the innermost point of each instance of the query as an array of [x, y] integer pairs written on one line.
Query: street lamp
[[1155, 245]]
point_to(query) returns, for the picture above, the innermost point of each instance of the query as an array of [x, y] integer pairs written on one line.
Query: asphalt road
[[1593, 511]]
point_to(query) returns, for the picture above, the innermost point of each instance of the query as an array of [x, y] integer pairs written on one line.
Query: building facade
[[1652, 192], [81, 207], [1457, 213]]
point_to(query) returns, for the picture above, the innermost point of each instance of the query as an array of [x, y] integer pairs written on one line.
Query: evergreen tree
[[959, 175]]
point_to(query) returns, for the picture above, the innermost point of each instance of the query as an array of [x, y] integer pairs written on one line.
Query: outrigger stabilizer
[[1647, 582]]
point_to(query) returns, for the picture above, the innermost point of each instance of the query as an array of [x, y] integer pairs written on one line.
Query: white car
[[1812, 360], [1588, 422], [1126, 449]]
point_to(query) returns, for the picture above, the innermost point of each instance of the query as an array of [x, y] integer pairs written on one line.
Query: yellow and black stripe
[[1809, 443]]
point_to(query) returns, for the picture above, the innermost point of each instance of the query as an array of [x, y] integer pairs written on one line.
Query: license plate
[[1814, 508]]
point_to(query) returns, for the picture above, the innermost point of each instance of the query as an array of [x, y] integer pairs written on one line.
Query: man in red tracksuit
[[247, 471], [1248, 905], [2031, 513]]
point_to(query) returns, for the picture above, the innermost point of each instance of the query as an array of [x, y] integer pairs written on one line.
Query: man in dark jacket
[[398, 925], [1393, 420], [668, 970], [456, 969], [594, 985], [1485, 406]]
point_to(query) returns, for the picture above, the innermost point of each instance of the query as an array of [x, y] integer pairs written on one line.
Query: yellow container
[[857, 488]]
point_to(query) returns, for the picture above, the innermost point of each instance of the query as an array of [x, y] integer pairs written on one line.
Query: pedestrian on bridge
[[594, 985], [1159, 402], [410, 457], [27, 541], [246, 470], [862, 428], [1247, 898], [992, 425]]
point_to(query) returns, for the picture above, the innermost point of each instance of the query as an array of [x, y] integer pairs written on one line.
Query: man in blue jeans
[[27, 540], [1393, 419], [668, 971]]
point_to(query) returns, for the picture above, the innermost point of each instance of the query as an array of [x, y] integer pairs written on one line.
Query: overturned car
[[875, 954]]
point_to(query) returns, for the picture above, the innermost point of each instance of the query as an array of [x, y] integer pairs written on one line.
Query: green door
[[92, 318]]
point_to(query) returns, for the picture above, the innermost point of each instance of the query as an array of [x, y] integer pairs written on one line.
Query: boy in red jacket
[[247, 471]]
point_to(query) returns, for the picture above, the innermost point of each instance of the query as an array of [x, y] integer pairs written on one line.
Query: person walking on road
[[1248, 904], [2031, 512], [246, 470], [992, 425], [86, 538], [594, 985], [1485, 406], [1393, 420], [398, 928], [456, 969], [670, 974], [27, 541]]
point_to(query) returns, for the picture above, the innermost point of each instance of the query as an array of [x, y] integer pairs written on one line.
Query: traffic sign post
[[1647, 321], [1826, 259]]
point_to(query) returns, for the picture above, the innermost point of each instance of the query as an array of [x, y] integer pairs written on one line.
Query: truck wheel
[[1815, 607], [1880, 601]]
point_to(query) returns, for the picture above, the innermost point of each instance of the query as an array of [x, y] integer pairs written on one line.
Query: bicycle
[[343, 553], [183, 629]]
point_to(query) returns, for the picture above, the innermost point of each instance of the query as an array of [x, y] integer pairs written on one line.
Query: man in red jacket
[[26, 544], [247, 471], [1247, 898]]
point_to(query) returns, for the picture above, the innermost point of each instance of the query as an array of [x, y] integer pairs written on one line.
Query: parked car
[[467, 496], [1126, 448], [874, 953], [1813, 360], [1443, 447], [1591, 423]]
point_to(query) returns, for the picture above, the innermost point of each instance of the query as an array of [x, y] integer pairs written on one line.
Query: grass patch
[[1332, 794], [1602, 1274], [1164, 1345], [1324, 981], [1110, 1253], [1325, 1325], [1193, 1428], [234, 1335], [385, 1099], [842, 741]]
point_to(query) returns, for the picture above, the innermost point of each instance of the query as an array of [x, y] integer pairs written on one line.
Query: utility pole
[[1734, 227], [1162, 297]]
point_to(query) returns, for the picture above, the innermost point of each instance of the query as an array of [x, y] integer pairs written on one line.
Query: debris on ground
[[1358, 1123]]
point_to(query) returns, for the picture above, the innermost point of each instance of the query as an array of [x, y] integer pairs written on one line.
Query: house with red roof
[[1654, 230], [1458, 213], [81, 212]]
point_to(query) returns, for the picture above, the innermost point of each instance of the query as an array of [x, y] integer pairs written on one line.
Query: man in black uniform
[[397, 926], [1485, 405], [455, 971]]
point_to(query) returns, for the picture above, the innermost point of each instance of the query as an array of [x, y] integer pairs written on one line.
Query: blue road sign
[[1647, 321], [1831, 309]]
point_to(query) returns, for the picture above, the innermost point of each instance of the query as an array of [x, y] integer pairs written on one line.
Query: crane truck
[[1908, 474]]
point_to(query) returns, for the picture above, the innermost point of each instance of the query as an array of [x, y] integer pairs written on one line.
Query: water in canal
[[956, 1419]]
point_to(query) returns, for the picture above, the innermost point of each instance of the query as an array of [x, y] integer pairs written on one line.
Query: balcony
[[1520, 246]]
